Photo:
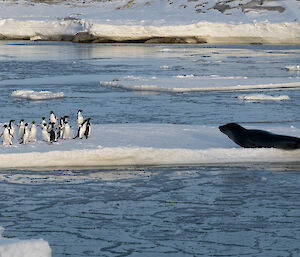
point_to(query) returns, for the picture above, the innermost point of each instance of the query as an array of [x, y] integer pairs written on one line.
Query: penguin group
[[56, 129]]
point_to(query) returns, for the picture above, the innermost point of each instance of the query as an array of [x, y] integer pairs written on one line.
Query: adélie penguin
[[67, 131], [6, 136], [44, 123], [81, 130], [52, 118], [21, 130], [11, 128], [32, 134], [25, 138], [61, 126], [45, 134], [80, 119], [88, 128], [52, 132]]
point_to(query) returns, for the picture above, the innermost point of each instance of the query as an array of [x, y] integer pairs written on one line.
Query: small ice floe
[[21, 248], [164, 67], [36, 95], [262, 97], [293, 68]]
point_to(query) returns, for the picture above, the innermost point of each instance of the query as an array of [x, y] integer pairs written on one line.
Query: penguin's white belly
[[6, 138], [32, 135], [45, 135], [67, 132], [53, 119], [21, 132], [82, 130], [79, 120], [26, 136]]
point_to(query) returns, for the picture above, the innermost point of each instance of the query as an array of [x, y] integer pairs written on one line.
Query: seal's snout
[[221, 128]]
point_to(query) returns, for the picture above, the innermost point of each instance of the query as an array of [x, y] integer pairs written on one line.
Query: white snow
[[143, 144], [36, 95], [193, 21], [189, 83], [23, 248], [262, 97]]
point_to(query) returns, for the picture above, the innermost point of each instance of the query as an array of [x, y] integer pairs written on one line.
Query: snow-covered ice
[[23, 248], [185, 21], [189, 83], [36, 95], [263, 97], [143, 144]]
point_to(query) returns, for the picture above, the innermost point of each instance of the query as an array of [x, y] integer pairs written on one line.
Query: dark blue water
[[160, 211]]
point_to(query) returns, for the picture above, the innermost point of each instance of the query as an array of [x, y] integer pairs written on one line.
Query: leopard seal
[[254, 138]]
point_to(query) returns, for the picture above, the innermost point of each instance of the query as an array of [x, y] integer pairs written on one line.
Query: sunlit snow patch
[[262, 97], [189, 83], [36, 95], [23, 248]]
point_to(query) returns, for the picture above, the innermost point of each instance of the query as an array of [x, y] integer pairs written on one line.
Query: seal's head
[[232, 130], [230, 126]]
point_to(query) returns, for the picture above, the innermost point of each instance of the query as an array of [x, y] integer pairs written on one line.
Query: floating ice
[[36, 95], [262, 97], [189, 83], [23, 248], [143, 144]]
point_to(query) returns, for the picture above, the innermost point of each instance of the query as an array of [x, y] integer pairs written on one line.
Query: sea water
[[207, 210]]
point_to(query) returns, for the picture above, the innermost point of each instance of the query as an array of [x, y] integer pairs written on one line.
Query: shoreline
[[82, 31]]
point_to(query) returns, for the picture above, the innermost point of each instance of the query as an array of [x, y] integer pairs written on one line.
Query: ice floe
[[36, 95], [13, 247], [143, 144], [189, 83], [263, 97]]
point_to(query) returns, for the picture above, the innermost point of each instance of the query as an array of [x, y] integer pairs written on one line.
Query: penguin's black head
[[79, 110], [26, 124], [43, 118], [51, 112], [11, 120], [33, 122], [21, 120], [4, 126]]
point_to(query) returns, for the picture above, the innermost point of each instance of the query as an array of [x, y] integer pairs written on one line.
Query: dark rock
[[165, 40], [83, 37]]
